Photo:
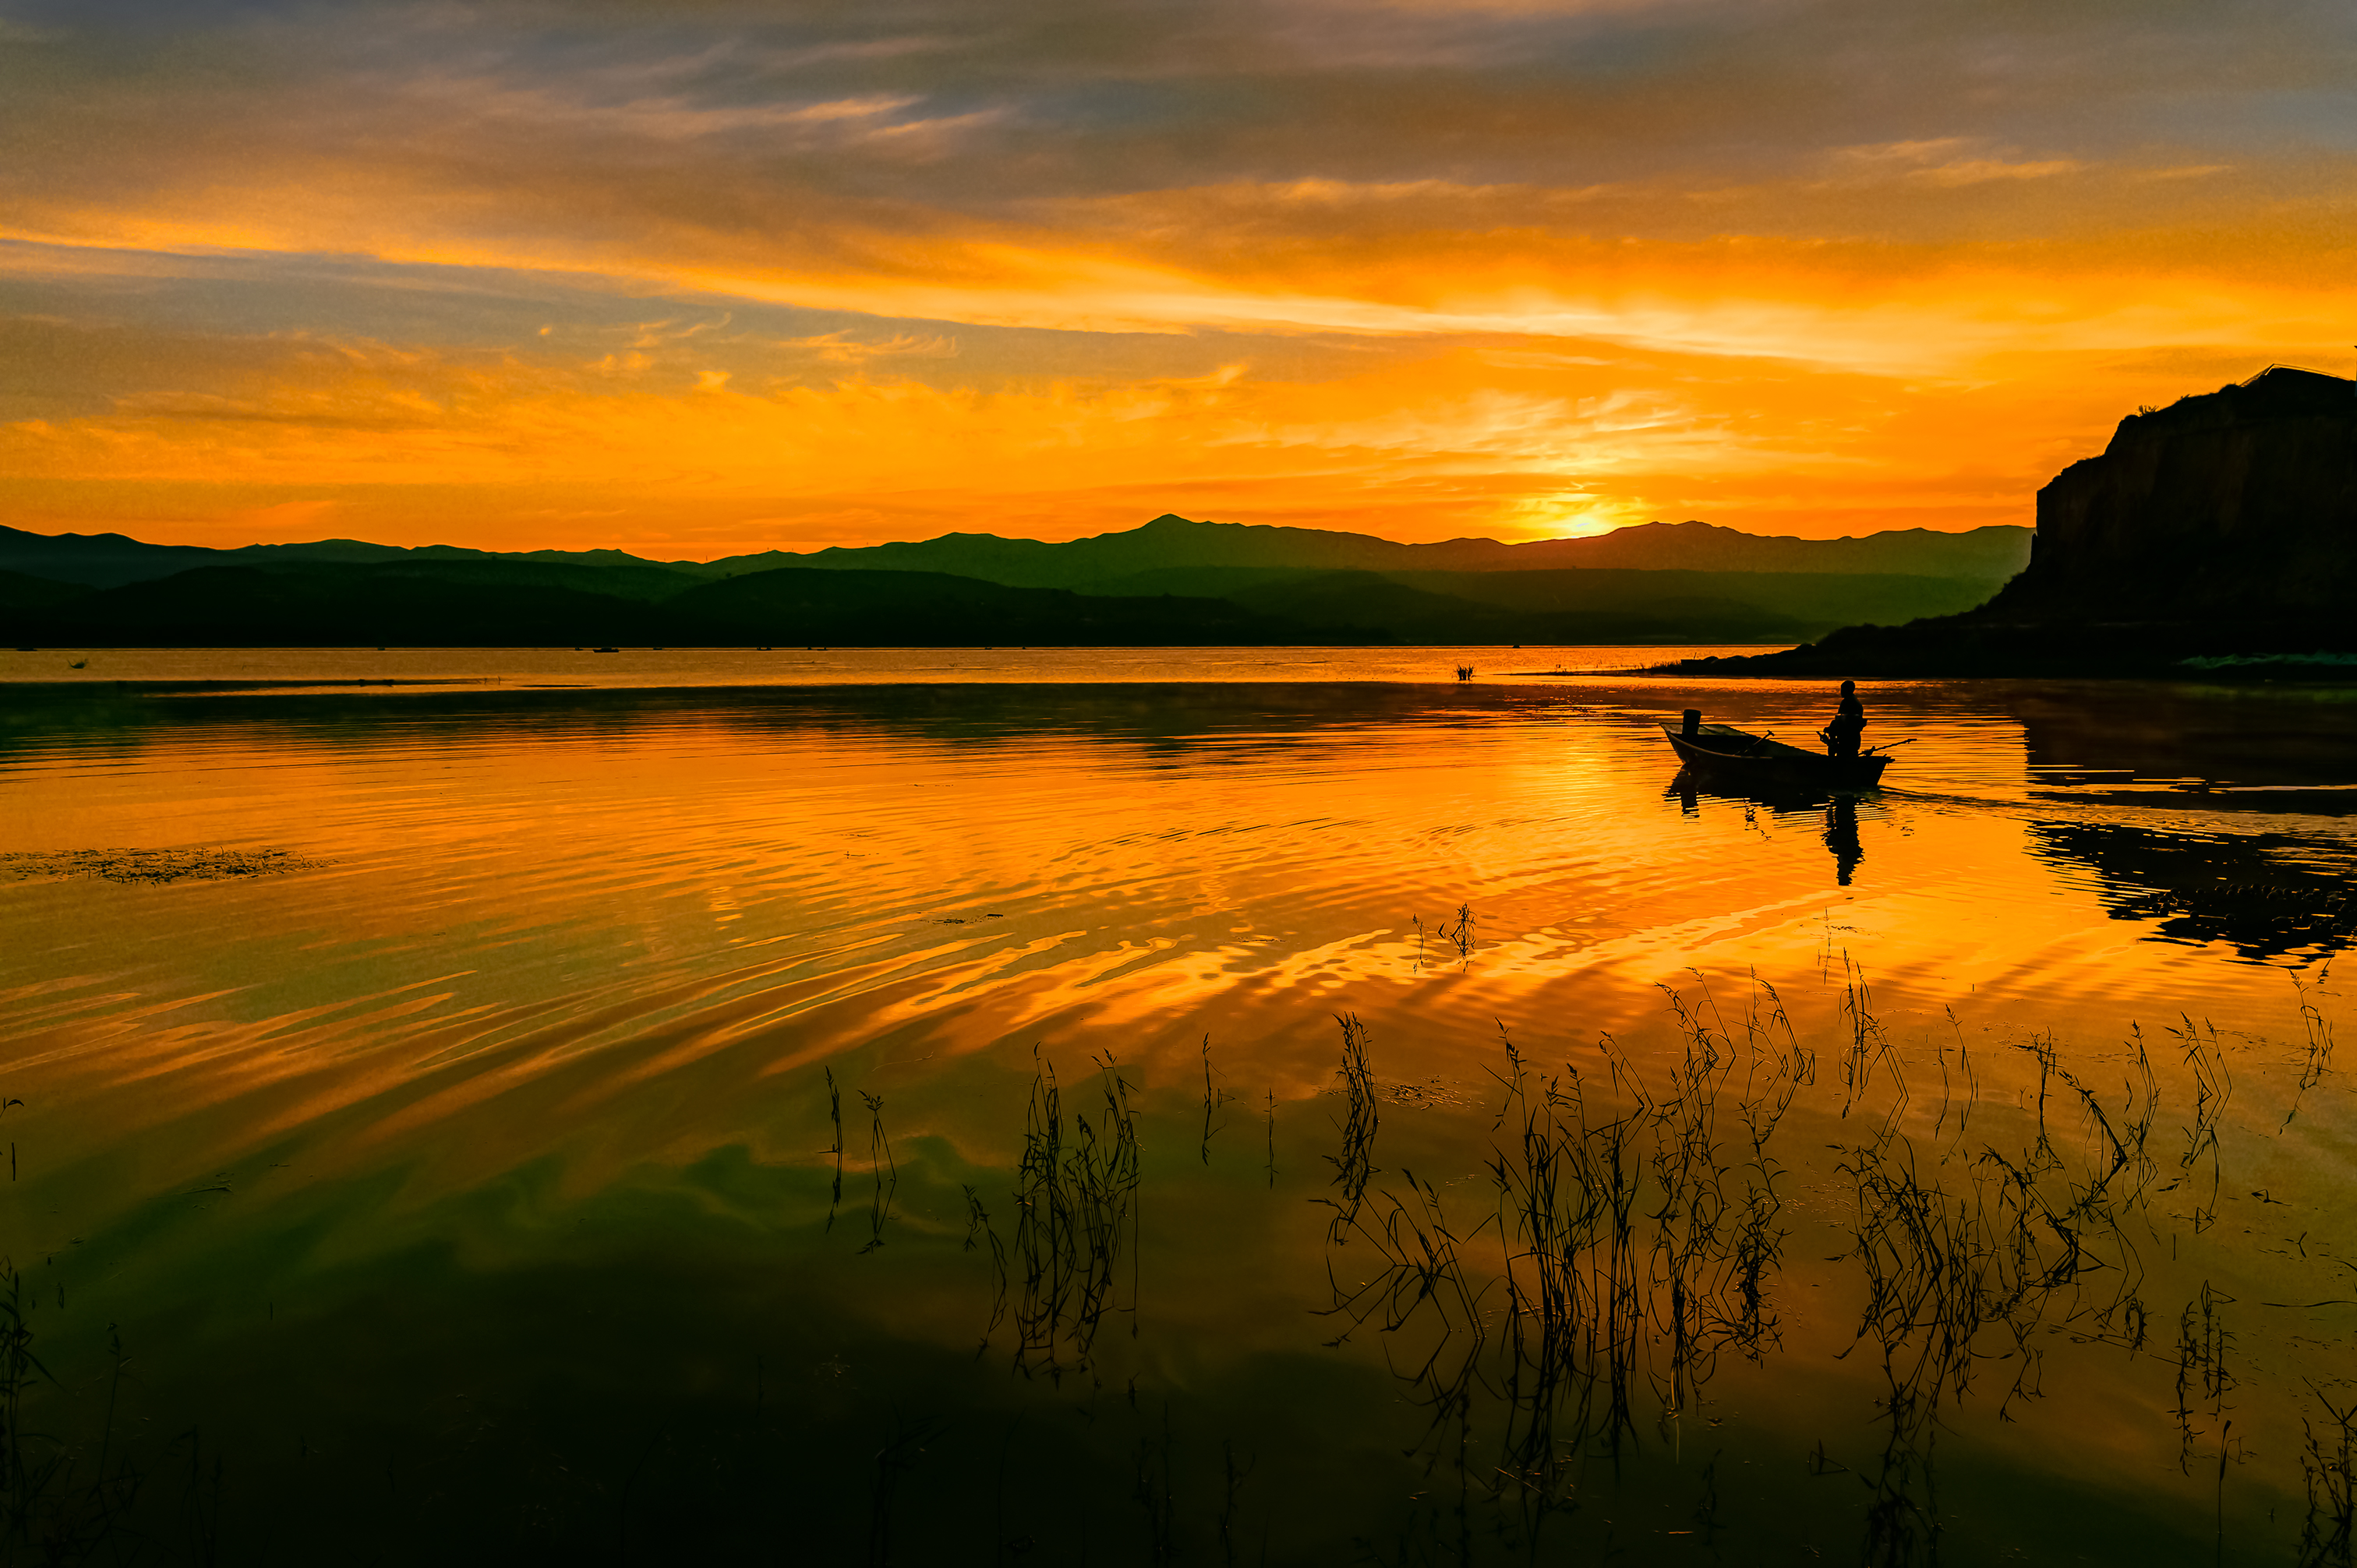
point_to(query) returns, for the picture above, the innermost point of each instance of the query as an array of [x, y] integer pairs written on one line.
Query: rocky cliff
[[2240, 504], [2223, 525]]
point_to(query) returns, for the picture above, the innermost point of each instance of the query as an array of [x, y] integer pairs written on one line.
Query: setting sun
[[697, 283]]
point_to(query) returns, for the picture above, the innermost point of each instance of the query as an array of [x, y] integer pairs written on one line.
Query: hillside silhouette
[[2219, 532], [524, 604], [1106, 562], [936, 610], [1171, 581]]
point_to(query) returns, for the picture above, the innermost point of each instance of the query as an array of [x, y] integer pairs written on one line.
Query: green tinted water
[[465, 1189]]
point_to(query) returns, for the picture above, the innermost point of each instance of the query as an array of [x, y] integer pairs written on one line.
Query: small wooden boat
[[1723, 753]]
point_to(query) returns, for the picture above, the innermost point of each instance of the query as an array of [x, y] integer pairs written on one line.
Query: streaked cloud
[[1948, 162], [1809, 264]]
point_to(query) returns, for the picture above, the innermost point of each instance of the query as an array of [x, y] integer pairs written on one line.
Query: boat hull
[[1731, 757]]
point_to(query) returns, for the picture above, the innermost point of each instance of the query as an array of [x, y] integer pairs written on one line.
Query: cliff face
[[2238, 505], [2225, 525]]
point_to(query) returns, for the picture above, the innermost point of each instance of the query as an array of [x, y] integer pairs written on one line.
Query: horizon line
[[1017, 538]]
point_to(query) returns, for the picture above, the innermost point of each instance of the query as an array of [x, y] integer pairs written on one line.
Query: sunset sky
[[694, 278]]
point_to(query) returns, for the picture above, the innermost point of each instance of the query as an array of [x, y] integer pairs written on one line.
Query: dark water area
[[1212, 1120]]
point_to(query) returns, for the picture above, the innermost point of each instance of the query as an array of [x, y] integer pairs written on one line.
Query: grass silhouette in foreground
[[1557, 1315]]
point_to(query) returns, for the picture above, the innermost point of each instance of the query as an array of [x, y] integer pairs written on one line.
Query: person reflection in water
[[1841, 737], [1841, 837]]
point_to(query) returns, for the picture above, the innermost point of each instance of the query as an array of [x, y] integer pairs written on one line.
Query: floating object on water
[[1725, 753], [154, 867]]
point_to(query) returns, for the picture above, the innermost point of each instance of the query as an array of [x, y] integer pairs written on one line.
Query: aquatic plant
[[903, 1447], [2213, 1085], [2317, 1059], [1569, 1296], [1272, 1139], [1639, 1238], [1354, 1166], [1868, 1047], [1631, 1250], [834, 1115], [1459, 934], [1456, 933], [978, 1227], [22, 1478], [1213, 1100], [1233, 1478], [1076, 1206], [883, 1168], [2326, 1531]]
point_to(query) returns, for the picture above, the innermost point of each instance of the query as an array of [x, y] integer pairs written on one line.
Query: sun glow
[[594, 298]]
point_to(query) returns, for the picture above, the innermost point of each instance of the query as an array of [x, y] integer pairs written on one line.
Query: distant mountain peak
[[1168, 541]]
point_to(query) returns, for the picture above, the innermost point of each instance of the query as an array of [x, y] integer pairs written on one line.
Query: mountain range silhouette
[[1171, 581]]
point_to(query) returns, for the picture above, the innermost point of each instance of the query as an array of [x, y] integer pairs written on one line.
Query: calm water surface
[[467, 1186]]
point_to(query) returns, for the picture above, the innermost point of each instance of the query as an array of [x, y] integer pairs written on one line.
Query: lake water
[[909, 1109], [560, 669]]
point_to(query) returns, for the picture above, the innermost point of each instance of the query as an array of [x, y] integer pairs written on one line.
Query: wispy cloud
[[841, 348], [1448, 260], [1946, 162]]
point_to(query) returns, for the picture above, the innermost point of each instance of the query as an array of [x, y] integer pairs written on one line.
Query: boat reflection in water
[[1839, 809]]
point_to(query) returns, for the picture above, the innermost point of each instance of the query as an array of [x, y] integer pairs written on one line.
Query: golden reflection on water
[[610, 938], [610, 897]]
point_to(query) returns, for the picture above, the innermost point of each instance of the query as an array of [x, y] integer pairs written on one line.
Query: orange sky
[[692, 281]]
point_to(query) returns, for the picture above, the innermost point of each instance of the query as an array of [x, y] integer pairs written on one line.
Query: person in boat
[[1841, 737]]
